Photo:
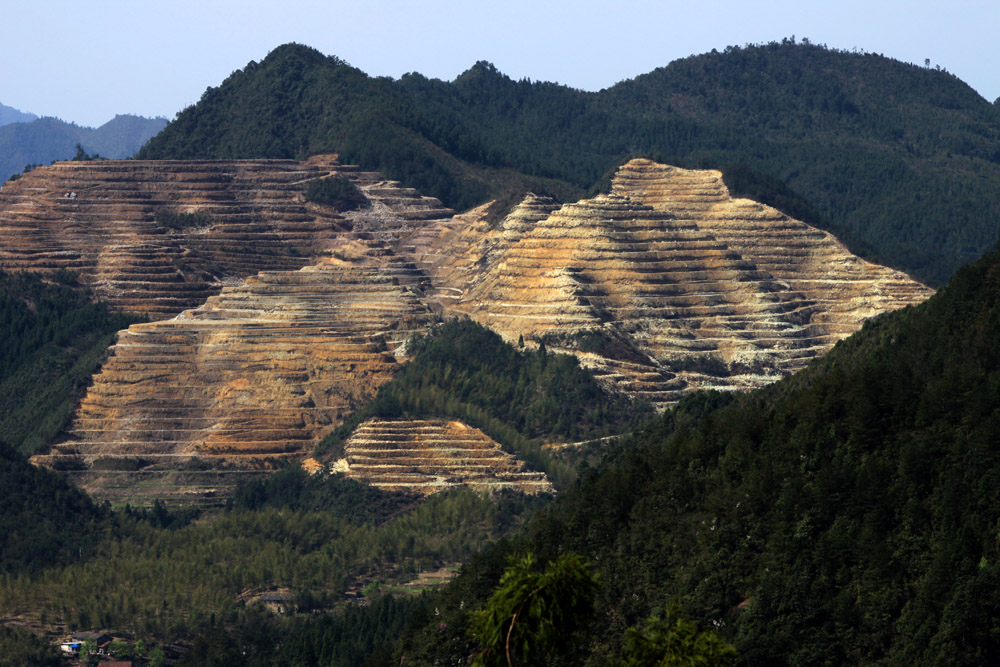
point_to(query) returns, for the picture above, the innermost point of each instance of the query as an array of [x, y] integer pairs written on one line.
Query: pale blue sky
[[86, 61]]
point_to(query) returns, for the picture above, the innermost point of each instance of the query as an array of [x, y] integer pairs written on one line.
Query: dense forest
[[44, 521], [52, 338], [900, 161], [847, 514]]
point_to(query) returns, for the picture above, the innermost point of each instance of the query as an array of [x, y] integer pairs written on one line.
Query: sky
[[85, 61]]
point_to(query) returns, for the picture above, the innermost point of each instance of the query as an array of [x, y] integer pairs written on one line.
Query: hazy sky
[[84, 61]]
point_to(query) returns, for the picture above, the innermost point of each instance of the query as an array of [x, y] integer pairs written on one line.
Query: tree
[[533, 617], [157, 658], [87, 652], [338, 192], [120, 649], [673, 641], [83, 156]]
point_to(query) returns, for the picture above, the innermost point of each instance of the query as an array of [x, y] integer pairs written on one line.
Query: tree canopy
[[899, 161]]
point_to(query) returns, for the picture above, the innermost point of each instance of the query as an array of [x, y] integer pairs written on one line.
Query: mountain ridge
[[876, 145], [12, 115], [44, 140]]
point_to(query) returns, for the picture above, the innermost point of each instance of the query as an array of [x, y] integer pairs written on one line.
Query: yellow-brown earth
[[274, 318]]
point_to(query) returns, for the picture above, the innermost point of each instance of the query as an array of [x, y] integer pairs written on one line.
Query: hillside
[[44, 520], [44, 140], [296, 284], [665, 285], [899, 161], [52, 340], [844, 515]]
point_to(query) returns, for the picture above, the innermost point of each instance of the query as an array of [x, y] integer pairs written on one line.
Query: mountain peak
[[483, 70]]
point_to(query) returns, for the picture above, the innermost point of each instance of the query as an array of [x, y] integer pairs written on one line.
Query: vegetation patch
[[520, 398], [181, 221], [338, 192], [52, 340]]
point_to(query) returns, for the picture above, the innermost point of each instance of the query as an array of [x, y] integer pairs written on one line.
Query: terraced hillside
[[664, 285], [292, 313], [430, 455], [159, 237], [254, 376]]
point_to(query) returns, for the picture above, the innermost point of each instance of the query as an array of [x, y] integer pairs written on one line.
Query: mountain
[[844, 515], [122, 136], [298, 284], [899, 161], [44, 140], [12, 115]]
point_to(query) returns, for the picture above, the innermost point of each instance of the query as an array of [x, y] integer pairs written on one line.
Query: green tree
[[120, 649], [533, 617], [157, 658], [87, 652], [673, 641]]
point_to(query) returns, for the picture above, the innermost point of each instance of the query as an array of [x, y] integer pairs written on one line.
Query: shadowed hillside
[[846, 515]]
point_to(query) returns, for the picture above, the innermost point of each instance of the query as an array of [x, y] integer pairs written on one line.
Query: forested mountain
[[845, 515], [895, 158], [46, 139], [12, 115]]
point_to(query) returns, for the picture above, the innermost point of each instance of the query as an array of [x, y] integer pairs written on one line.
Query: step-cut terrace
[[159, 237], [253, 377], [665, 285], [427, 456], [296, 311]]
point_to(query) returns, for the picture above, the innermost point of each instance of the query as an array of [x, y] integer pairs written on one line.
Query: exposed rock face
[[159, 237], [427, 456], [665, 285]]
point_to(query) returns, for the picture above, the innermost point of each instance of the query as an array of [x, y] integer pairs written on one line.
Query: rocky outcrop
[[664, 285], [427, 456]]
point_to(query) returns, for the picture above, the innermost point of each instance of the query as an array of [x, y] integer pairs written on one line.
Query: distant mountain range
[[902, 162], [12, 115], [26, 139]]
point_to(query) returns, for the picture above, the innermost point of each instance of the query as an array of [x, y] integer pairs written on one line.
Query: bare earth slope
[[430, 455], [108, 220], [284, 316], [665, 285]]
